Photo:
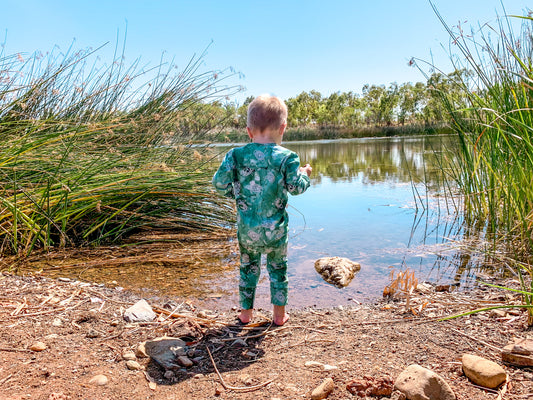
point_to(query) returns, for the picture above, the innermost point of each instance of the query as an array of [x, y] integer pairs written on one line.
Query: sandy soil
[[82, 328]]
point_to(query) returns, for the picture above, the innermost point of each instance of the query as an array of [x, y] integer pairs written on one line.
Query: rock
[[419, 383], [497, 313], [330, 367], [140, 312], [169, 375], [337, 270], [99, 380], [483, 372], [397, 395], [311, 364], [519, 352], [128, 355], [57, 322], [133, 365], [370, 386], [184, 361], [92, 333], [323, 390], [38, 346], [165, 350], [424, 287], [140, 351]]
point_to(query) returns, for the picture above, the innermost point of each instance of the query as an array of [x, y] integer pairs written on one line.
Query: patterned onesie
[[258, 177]]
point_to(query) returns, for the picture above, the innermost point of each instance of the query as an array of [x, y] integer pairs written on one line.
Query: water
[[370, 200]]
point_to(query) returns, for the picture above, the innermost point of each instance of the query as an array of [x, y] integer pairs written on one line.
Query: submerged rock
[[338, 271]]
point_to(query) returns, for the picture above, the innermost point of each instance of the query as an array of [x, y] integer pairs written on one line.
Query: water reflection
[[371, 200]]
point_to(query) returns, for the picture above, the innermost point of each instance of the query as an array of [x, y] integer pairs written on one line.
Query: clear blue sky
[[281, 47]]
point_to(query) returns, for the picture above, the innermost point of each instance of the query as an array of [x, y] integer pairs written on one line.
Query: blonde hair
[[266, 112]]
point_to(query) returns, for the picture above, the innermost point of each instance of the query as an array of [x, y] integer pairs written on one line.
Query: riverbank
[[337, 132], [80, 339]]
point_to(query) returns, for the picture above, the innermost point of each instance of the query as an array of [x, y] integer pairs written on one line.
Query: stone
[[133, 365], [311, 364], [419, 383], [38, 346], [169, 375], [497, 313], [397, 395], [99, 380], [57, 322], [519, 352], [184, 361], [128, 355], [371, 386], [328, 367], [140, 312], [92, 333], [338, 271], [483, 372], [140, 351], [165, 350], [323, 390]]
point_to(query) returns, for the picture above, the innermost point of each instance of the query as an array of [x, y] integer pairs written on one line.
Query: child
[[259, 176]]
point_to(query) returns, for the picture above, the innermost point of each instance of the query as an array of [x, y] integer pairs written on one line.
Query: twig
[[15, 350], [477, 340], [236, 388], [4, 380]]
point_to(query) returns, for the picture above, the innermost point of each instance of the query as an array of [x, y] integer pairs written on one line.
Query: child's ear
[[282, 129], [250, 134]]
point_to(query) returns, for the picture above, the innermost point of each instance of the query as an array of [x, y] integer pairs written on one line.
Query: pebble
[[169, 375], [38, 346], [128, 355], [140, 351], [323, 390], [312, 364], [99, 380], [57, 322], [91, 333], [185, 361], [133, 365]]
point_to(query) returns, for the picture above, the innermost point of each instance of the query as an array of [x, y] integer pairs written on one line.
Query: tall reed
[[494, 168], [93, 152]]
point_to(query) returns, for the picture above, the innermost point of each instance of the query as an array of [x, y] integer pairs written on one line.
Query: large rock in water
[[338, 271]]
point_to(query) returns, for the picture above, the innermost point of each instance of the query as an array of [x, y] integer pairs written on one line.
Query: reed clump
[[494, 166], [91, 153]]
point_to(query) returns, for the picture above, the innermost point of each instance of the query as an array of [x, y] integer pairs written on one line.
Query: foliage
[[491, 112], [93, 153]]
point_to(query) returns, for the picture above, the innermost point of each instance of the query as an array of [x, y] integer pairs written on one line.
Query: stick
[[478, 340], [15, 350], [236, 388], [4, 380]]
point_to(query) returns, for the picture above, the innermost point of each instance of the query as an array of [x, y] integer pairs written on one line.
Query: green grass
[[93, 153]]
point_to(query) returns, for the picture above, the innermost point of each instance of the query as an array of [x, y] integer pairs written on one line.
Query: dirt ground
[[84, 334]]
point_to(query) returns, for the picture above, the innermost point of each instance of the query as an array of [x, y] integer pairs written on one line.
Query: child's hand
[[307, 169]]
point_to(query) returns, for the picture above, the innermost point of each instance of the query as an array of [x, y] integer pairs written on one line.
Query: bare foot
[[279, 321], [246, 315], [279, 316]]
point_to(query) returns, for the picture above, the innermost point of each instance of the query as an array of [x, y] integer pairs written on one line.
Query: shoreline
[[84, 334]]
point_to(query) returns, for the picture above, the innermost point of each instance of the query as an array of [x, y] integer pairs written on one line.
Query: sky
[[278, 47]]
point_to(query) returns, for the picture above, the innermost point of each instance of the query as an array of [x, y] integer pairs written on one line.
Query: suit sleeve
[[225, 176], [295, 181]]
